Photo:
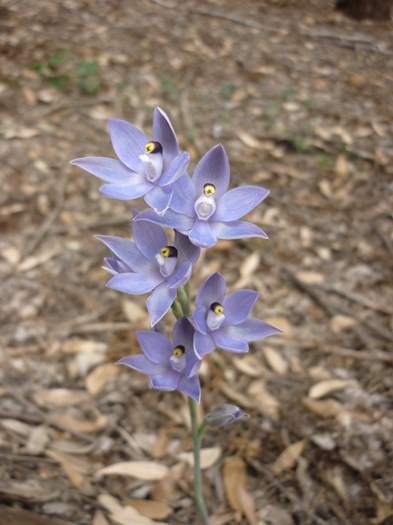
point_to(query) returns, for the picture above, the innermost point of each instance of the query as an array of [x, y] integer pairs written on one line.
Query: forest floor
[[302, 99]]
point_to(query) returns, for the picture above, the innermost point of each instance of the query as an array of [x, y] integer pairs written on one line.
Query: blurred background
[[300, 94]]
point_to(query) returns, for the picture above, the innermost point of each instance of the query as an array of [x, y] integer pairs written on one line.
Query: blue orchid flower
[[150, 264], [205, 210], [169, 365], [223, 320], [146, 168]]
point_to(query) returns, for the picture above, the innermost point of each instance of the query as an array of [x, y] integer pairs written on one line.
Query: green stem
[[177, 309], [184, 300], [181, 308], [196, 444]]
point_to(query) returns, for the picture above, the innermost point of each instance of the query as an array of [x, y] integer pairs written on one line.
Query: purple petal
[[226, 342], [201, 234], [199, 319], [149, 238], [238, 305], [203, 344], [164, 133], [184, 196], [238, 202], [159, 199], [212, 291], [156, 347], [160, 302], [169, 220], [142, 364], [180, 276], [114, 265], [125, 192], [176, 169], [190, 386], [127, 251], [186, 250], [109, 170], [127, 141], [165, 381], [252, 330], [237, 230], [183, 333], [134, 283], [213, 168]]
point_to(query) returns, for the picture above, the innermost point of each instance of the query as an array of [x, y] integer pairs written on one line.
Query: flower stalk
[[196, 445], [180, 307]]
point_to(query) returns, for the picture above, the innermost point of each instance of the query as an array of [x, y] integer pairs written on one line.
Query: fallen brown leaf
[[288, 458], [235, 484], [209, 456], [323, 388], [100, 376], [60, 397], [156, 510], [144, 470]]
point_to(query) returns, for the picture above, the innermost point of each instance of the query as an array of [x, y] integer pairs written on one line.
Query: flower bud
[[224, 415]]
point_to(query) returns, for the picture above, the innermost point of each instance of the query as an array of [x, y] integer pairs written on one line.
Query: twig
[[355, 298], [314, 296], [361, 354], [46, 225], [98, 328]]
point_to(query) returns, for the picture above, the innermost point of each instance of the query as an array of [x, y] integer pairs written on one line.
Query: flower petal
[[213, 168], [252, 330], [167, 381], [186, 250], [184, 196], [125, 192], [114, 265], [169, 220], [203, 344], [238, 305], [164, 133], [176, 169], [149, 238], [156, 347], [212, 291], [134, 283], [142, 364], [160, 302], [180, 276], [159, 199], [201, 234], [127, 251], [190, 386], [226, 342], [183, 333], [198, 319], [127, 141], [109, 170], [238, 202], [237, 230]]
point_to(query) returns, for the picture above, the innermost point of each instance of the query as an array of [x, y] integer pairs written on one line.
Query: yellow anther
[[153, 147], [217, 308], [178, 351], [168, 251], [209, 190]]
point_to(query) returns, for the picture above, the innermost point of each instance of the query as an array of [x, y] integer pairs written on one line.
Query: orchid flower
[[169, 365], [150, 264], [146, 167], [205, 210], [223, 320]]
